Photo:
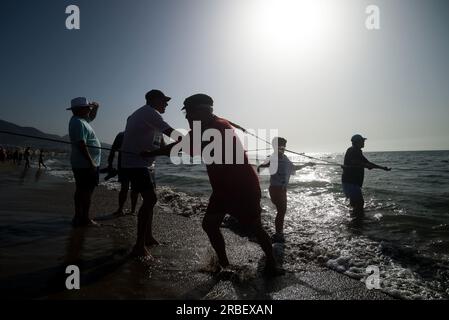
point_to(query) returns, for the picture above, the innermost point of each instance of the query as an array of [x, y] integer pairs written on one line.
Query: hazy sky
[[308, 68]]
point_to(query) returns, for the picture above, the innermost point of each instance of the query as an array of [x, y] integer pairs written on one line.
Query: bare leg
[[86, 201], [134, 196], [123, 194], [265, 243], [211, 225], [144, 217], [149, 239], [78, 207], [279, 198], [358, 206], [271, 266], [279, 222]]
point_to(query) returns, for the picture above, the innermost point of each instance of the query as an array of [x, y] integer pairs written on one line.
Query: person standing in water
[[41, 159], [283, 168], [122, 177], [354, 172], [144, 129], [85, 157], [26, 157]]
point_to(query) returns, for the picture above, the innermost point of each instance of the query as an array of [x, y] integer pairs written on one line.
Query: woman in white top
[[281, 168]]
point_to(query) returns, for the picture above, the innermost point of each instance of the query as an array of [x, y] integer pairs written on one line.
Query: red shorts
[[245, 207]]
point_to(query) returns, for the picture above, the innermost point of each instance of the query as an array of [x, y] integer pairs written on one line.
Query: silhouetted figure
[[144, 129], [38, 175], [84, 160], [354, 173], [41, 159], [2, 155], [15, 157], [235, 185], [283, 168], [122, 177], [27, 155]]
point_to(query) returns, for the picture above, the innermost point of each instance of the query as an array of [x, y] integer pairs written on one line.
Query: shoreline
[[39, 243]]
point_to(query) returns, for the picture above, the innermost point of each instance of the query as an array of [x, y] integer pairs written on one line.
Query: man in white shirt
[[144, 129], [278, 183]]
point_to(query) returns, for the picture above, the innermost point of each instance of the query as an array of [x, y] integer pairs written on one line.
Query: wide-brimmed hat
[[80, 102]]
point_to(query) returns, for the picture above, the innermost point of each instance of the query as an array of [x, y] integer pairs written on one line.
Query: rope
[[60, 141], [287, 150], [254, 150]]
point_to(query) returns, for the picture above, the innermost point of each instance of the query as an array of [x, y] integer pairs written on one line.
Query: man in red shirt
[[235, 184]]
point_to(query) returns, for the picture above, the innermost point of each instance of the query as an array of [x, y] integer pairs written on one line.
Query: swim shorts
[[86, 178], [142, 179], [244, 207], [353, 192]]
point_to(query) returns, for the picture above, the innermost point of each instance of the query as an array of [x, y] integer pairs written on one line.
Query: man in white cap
[[354, 172], [85, 157], [144, 129]]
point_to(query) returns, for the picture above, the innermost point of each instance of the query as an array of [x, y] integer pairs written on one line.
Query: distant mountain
[[19, 141]]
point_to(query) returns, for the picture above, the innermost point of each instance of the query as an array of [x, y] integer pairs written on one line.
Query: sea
[[403, 237]]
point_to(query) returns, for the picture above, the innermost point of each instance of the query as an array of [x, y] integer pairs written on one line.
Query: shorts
[[86, 178], [245, 207], [141, 179], [353, 192], [278, 196], [124, 179]]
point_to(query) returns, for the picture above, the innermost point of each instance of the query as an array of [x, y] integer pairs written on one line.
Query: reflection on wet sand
[[38, 175], [23, 176]]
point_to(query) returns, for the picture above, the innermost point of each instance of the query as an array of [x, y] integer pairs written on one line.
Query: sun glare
[[291, 26]]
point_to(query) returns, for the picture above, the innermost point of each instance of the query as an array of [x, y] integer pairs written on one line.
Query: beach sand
[[38, 243]]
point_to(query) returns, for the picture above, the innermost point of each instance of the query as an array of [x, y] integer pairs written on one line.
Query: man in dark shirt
[[354, 173], [122, 177]]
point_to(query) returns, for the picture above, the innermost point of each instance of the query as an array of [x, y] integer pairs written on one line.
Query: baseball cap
[[198, 100], [156, 94], [357, 137]]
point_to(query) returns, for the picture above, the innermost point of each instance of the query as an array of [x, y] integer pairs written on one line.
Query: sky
[[307, 68]]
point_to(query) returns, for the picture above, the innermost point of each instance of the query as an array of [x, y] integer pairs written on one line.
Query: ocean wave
[[404, 231]]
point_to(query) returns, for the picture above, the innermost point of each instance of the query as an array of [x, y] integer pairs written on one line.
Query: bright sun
[[291, 27]]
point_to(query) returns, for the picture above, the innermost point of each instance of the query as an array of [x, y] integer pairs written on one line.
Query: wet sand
[[38, 243]]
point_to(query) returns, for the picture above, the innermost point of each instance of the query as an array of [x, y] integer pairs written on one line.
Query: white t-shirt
[[143, 132]]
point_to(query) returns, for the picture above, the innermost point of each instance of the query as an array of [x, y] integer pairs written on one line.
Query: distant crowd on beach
[[19, 155]]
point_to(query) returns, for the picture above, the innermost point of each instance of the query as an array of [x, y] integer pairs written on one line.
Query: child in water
[[279, 181]]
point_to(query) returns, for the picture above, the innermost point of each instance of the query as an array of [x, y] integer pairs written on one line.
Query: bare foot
[[92, 223], [83, 223]]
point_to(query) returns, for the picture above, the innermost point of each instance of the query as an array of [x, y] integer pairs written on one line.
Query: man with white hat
[[354, 172], [85, 157]]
